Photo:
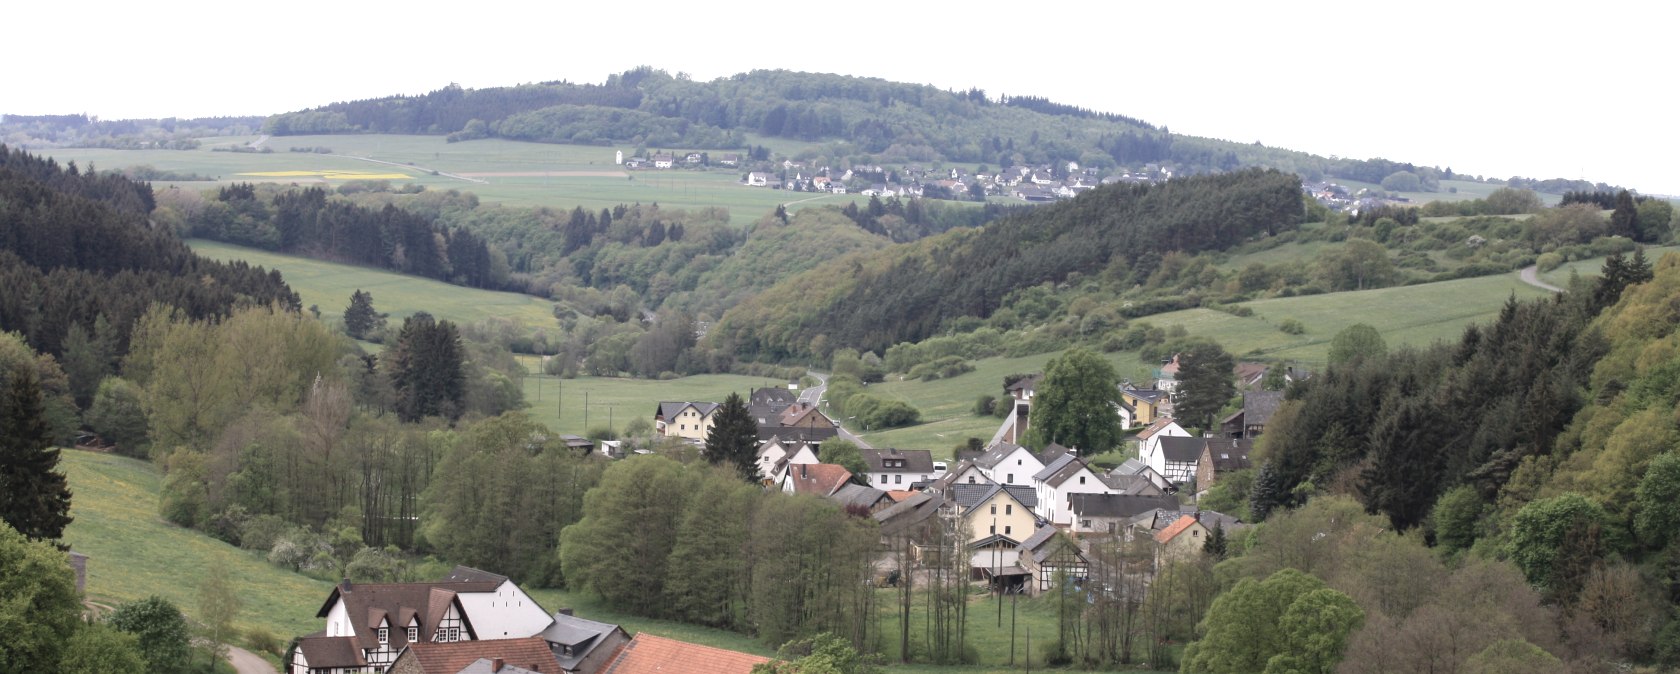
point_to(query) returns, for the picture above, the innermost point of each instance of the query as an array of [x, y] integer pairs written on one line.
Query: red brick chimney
[[496, 664]]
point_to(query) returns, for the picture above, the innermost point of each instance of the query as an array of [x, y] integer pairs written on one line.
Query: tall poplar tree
[[34, 497], [733, 439]]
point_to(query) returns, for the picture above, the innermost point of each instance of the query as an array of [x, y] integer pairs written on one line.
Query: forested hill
[[76, 249], [912, 291], [868, 120]]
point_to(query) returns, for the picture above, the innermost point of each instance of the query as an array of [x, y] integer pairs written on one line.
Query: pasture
[[328, 285], [1591, 267], [134, 554], [614, 401]]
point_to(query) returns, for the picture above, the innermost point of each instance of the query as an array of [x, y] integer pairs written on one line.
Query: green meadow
[[1591, 267], [560, 403], [328, 285], [134, 554]]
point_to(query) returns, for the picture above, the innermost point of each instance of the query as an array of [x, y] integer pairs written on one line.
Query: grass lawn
[[134, 554], [1590, 268], [559, 403], [328, 285]]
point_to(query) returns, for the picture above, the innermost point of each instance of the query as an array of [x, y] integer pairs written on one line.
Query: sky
[[1492, 89]]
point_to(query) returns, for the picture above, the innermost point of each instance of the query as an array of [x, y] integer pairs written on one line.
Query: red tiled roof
[[900, 494], [1176, 528], [448, 658], [648, 654], [821, 479]]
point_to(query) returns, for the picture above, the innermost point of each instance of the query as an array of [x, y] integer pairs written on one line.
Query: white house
[[891, 469], [663, 161], [1149, 439], [1176, 458], [684, 419], [1059, 481], [758, 179], [1007, 463], [369, 624], [776, 454]]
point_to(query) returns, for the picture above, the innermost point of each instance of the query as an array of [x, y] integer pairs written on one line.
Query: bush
[[1290, 326], [263, 641], [983, 406]]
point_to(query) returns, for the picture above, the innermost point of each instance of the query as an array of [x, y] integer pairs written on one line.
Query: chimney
[[344, 586], [496, 664]]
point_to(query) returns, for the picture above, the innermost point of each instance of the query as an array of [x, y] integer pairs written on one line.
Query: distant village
[[1024, 520]]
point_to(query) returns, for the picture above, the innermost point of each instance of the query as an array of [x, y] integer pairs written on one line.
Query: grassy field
[[328, 285], [559, 403], [1467, 189], [576, 171], [1590, 267], [135, 554]]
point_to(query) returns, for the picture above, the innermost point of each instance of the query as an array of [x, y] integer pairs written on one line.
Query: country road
[[246, 662], [1531, 276], [411, 166], [814, 396]]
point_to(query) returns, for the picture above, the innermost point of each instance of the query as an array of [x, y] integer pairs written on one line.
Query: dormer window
[[413, 634], [384, 635]]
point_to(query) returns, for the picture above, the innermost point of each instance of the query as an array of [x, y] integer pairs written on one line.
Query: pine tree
[[733, 439], [360, 317], [1216, 545], [34, 498], [426, 369], [1624, 221], [1266, 494]]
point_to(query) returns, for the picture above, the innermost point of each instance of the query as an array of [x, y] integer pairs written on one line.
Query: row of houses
[[476, 622]]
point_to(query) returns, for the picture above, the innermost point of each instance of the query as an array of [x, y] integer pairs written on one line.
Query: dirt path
[[1531, 276], [246, 662]]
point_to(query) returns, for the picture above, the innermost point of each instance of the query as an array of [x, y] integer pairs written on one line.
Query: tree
[[1541, 532], [161, 629], [1655, 220], [427, 370], [218, 605], [1402, 181], [821, 654], [119, 416], [1355, 343], [34, 496], [85, 364], [846, 454], [1205, 382], [733, 438], [1357, 265], [1624, 220], [1216, 545], [39, 606], [1513, 656], [98, 648], [1657, 521], [360, 319], [1316, 627], [1289, 614], [632, 514], [1077, 404]]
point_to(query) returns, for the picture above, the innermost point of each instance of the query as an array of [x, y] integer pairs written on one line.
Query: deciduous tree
[[161, 629], [39, 607], [1205, 383], [1077, 404]]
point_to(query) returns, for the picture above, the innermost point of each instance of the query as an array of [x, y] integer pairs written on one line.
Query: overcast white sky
[[1536, 89]]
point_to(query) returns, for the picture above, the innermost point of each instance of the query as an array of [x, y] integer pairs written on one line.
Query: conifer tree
[[426, 369], [733, 439], [34, 498], [1216, 544], [360, 319]]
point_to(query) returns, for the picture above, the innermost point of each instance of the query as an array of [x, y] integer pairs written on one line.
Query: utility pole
[[586, 411]]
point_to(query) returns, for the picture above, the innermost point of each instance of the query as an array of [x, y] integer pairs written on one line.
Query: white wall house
[[1009, 464], [1149, 441], [898, 469], [1059, 481]]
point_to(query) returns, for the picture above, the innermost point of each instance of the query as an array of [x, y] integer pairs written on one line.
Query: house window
[[992, 529], [994, 508], [413, 634], [1008, 508], [898, 479], [384, 635], [1006, 529], [1010, 478], [454, 634], [1082, 479], [971, 479], [883, 479]]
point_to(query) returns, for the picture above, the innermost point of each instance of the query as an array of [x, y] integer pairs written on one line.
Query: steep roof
[[1177, 527], [487, 666], [467, 574], [451, 657], [915, 509], [648, 654], [1027, 383], [1182, 450], [821, 479], [1156, 426], [1117, 505], [1055, 451], [1065, 471], [996, 454], [324, 651], [853, 494], [1133, 484], [1259, 406], [572, 638], [1229, 453], [670, 409], [1144, 394], [971, 495], [1059, 463], [427, 602], [915, 460]]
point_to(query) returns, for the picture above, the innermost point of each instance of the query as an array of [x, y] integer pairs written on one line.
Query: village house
[[663, 161], [369, 624], [1149, 439], [1189, 533], [758, 179], [775, 455], [1010, 464], [501, 656], [1221, 456], [800, 421], [1136, 468], [1110, 514], [730, 159], [1059, 481], [1047, 556], [1250, 421], [1146, 403], [816, 479], [996, 518], [898, 469], [1176, 458], [684, 419]]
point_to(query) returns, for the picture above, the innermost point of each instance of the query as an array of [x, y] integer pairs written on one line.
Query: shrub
[[1290, 326], [983, 405]]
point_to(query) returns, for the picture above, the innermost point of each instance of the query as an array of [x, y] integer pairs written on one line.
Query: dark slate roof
[[1149, 394], [1229, 453], [915, 460], [1049, 470], [1054, 451], [581, 636], [1025, 383], [1129, 484], [1026, 495], [853, 494], [668, 409], [995, 454], [1038, 538], [907, 513], [1118, 505], [1182, 450], [966, 495], [1259, 406], [467, 574]]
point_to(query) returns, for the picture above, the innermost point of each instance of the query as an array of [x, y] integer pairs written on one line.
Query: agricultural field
[[328, 285], [559, 403], [512, 173], [1466, 190], [134, 554]]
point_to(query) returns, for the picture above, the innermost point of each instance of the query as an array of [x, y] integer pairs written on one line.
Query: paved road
[[814, 395], [1531, 276], [246, 662]]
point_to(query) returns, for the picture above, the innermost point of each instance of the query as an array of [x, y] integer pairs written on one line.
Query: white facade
[[1016, 468], [507, 613], [1149, 449], [1054, 500]]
